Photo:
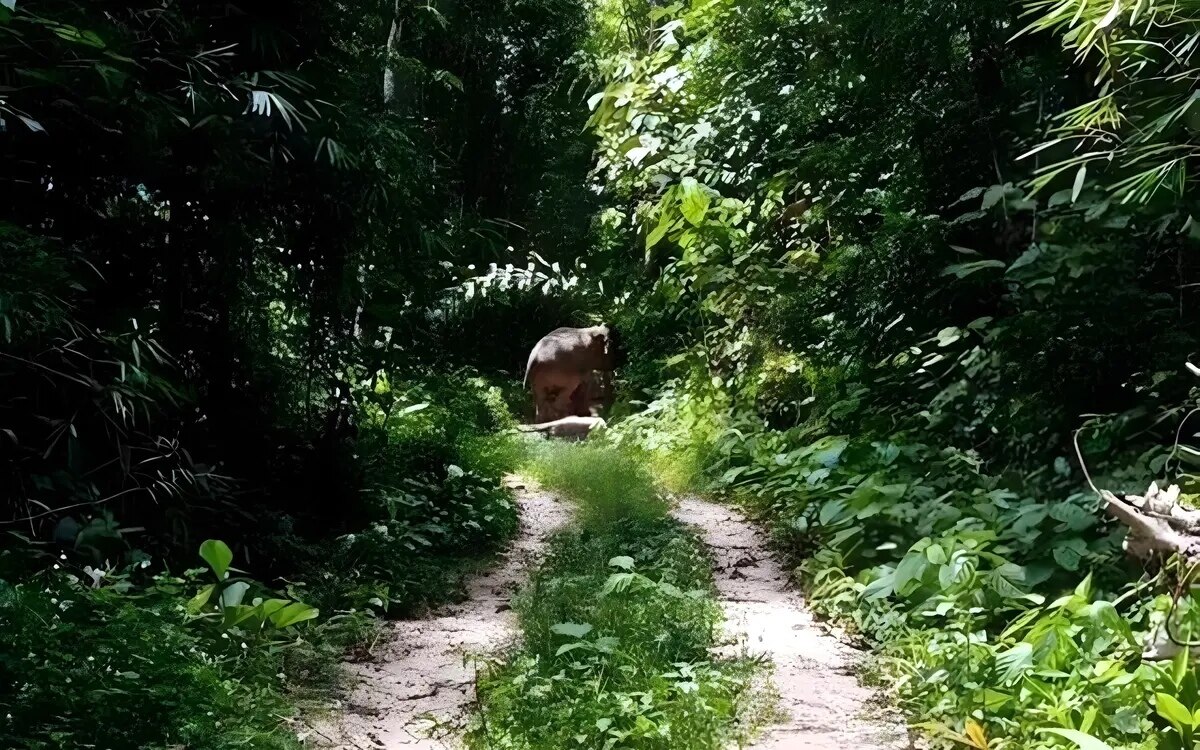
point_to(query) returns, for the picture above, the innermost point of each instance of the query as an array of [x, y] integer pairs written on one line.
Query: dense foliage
[[887, 285], [909, 282], [230, 254]]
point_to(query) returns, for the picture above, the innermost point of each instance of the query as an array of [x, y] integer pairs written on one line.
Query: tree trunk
[[393, 41]]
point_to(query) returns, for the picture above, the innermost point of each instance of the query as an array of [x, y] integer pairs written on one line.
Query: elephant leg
[[581, 398], [598, 397], [554, 392], [563, 402], [543, 402]]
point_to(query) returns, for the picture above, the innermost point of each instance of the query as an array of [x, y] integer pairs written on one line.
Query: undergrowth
[[103, 645], [1002, 619], [616, 626]]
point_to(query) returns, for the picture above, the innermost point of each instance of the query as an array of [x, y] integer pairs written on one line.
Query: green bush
[[119, 661], [993, 608], [431, 533]]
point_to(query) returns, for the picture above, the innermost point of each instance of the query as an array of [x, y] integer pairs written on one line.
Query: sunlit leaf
[[1083, 740], [573, 629], [218, 556], [293, 614]]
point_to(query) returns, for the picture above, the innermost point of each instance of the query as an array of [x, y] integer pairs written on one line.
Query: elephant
[[562, 370]]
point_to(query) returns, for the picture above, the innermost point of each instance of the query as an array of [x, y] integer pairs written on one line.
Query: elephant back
[[568, 348]]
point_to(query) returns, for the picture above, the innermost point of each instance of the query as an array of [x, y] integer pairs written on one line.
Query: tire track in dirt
[[418, 691], [824, 706]]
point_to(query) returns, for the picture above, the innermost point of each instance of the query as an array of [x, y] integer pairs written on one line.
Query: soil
[[418, 691], [822, 704]]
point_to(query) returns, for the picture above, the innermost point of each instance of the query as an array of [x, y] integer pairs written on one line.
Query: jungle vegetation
[[910, 282]]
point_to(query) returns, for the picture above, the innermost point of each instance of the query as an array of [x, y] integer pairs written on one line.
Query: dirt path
[[417, 693], [826, 707]]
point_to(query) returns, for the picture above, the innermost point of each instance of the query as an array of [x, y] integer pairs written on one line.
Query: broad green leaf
[[1069, 552], [618, 582], [218, 556], [607, 644], [1003, 585], [77, 35], [1077, 188], [573, 629], [909, 572], [962, 270], [993, 699], [1169, 707], [624, 562], [197, 602], [1084, 587], [1180, 666], [567, 647], [693, 201], [1059, 198], [1082, 739], [1076, 518], [880, 588], [234, 593], [831, 512], [1026, 258], [269, 607], [1014, 662], [660, 230], [238, 613], [992, 196], [294, 613]]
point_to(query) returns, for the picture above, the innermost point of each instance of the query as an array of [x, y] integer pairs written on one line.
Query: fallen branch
[[1158, 524], [567, 427]]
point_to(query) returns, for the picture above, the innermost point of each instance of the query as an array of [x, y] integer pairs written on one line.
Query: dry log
[[1158, 524], [1159, 528], [568, 427]]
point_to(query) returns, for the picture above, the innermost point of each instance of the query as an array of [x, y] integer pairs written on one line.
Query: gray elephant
[[562, 370]]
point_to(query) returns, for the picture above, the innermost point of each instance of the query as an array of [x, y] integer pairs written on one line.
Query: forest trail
[[418, 691], [824, 706]]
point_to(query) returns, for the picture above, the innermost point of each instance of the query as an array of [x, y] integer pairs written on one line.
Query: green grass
[[616, 626], [606, 483]]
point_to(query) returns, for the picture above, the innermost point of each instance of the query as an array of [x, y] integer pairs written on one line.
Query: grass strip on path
[[617, 626]]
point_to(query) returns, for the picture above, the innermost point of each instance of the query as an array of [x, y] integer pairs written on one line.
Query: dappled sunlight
[[288, 291]]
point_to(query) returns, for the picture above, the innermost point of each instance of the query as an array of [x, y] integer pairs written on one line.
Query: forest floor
[[419, 689], [822, 705]]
